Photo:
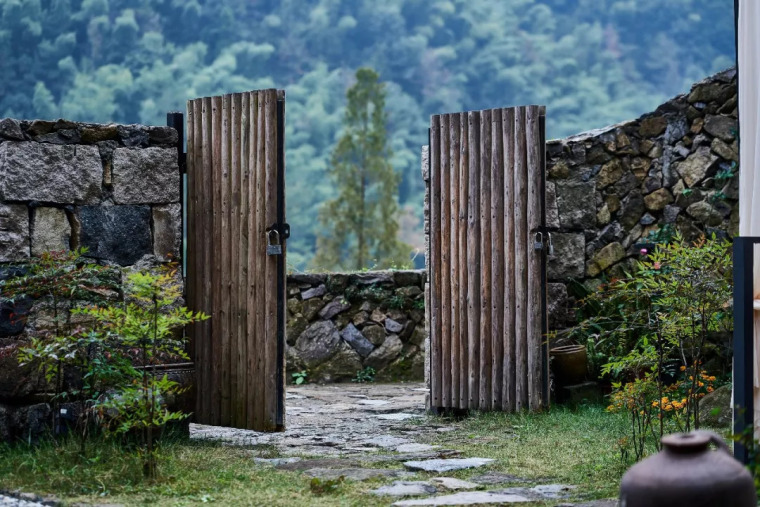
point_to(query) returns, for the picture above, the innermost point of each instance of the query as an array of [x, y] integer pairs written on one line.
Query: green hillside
[[591, 62]]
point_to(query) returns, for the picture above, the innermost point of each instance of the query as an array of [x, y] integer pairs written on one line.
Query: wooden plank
[[211, 401], [522, 238], [473, 264], [192, 273], [271, 261], [444, 225], [497, 259], [241, 307], [253, 417], [534, 214], [484, 402], [282, 285], [220, 322], [237, 358], [453, 365], [436, 375], [261, 261], [464, 205], [508, 385]]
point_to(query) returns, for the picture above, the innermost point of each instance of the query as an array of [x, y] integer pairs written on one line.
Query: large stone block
[[51, 231], [145, 176], [14, 232], [120, 234], [576, 204], [32, 171], [569, 259], [167, 231]]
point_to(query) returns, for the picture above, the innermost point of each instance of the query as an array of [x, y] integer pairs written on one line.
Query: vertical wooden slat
[[473, 261], [237, 351], [485, 261], [261, 262], [254, 240], [497, 259], [444, 225], [534, 212], [508, 385], [281, 266], [454, 264], [219, 315], [523, 239], [464, 206], [211, 402], [436, 375], [241, 286], [192, 227], [271, 261]]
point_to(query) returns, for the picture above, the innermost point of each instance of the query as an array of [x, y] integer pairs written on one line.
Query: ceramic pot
[[569, 364], [687, 473]]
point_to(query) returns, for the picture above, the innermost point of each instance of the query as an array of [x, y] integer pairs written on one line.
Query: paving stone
[[386, 441], [319, 463], [467, 498], [453, 483], [276, 461], [447, 465], [398, 416], [374, 403], [406, 488], [355, 474], [497, 478], [553, 490], [414, 447]]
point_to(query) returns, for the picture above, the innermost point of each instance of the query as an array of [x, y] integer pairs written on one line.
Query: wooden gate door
[[236, 206], [487, 260]]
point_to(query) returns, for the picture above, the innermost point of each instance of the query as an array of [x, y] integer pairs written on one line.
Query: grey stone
[[343, 365], [32, 171], [334, 307], [553, 490], [406, 278], [99, 133], [276, 461], [356, 339], [658, 199], [163, 135], [167, 231], [318, 343], [392, 326], [454, 484], [670, 213], [575, 202], [405, 488], [647, 219], [715, 408], [145, 176], [374, 403], [560, 311], [447, 465], [467, 498], [697, 166], [385, 353], [373, 277], [311, 307], [493, 478], [14, 232], [307, 278], [61, 136], [705, 213], [568, 259], [631, 210], [296, 325], [318, 291], [552, 212], [374, 333], [354, 474], [723, 127], [653, 126], [119, 234], [398, 416], [386, 441], [10, 129], [605, 258], [724, 150], [318, 463], [51, 230], [134, 135], [610, 173]]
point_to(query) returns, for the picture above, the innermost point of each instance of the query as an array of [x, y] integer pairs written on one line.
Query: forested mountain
[[591, 62]]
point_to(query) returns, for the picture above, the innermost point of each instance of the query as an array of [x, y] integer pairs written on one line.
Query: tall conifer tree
[[360, 226]]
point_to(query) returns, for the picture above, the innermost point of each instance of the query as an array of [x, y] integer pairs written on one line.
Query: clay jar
[[687, 473], [569, 364]]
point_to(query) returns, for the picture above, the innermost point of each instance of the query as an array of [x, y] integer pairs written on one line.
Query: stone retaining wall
[[675, 169], [339, 324]]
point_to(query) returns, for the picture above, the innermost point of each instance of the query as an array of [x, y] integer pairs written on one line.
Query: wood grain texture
[[220, 269], [211, 402], [497, 260], [484, 402], [251, 238], [455, 263], [473, 264], [270, 348], [237, 358], [535, 221], [435, 264], [464, 206], [523, 238], [445, 282]]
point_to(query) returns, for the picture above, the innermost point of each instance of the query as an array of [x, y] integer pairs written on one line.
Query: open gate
[[487, 260], [235, 270]]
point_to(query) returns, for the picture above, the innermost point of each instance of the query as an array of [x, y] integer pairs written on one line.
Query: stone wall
[[114, 189], [608, 190], [339, 324], [111, 188]]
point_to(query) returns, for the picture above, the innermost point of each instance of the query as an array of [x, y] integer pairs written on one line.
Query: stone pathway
[[351, 426]]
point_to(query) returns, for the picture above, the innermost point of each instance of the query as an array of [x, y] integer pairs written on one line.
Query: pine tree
[[360, 226]]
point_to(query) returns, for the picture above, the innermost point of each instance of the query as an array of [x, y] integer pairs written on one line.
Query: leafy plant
[[325, 486], [365, 375], [300, 377]]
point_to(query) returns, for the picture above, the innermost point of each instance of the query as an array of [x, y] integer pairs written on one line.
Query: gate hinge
[[282, 229]]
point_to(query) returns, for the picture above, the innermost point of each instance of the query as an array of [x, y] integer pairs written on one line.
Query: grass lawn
[[567, 446]]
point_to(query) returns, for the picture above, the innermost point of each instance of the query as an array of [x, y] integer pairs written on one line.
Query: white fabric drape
[[749, 153]]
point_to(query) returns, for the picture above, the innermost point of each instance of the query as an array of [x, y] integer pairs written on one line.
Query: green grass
[[568, 446]]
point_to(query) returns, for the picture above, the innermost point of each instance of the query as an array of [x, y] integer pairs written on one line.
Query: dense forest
[[591, 62]]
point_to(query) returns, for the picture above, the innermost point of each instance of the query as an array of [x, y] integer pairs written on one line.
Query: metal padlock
[[273, 242], [551, 245], [538, 243]]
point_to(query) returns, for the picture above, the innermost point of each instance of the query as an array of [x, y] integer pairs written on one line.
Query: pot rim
[[567, 349]]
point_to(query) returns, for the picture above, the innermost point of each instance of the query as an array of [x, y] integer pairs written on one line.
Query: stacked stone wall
[[610, 190], [342, 323]]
